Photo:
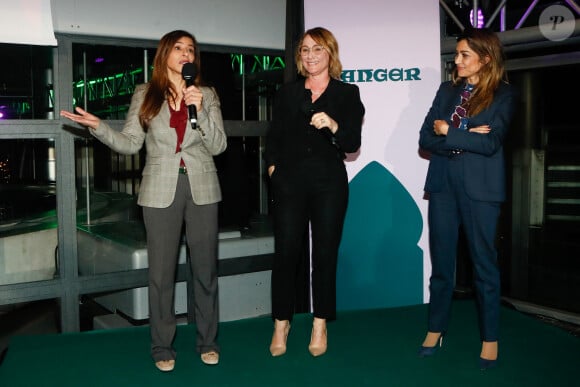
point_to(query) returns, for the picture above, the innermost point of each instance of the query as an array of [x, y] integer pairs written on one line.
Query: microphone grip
[[192, 115], [191, 108]]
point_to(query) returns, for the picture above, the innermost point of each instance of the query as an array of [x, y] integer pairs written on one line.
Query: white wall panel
[[26, 22], [241, 23]]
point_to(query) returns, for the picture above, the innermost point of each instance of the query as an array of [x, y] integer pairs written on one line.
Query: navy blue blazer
[[483, 157]]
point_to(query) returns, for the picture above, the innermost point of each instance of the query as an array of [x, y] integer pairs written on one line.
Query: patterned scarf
[[459, 116]]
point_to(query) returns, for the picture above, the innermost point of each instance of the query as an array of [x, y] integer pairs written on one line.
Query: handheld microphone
[[189, 72]]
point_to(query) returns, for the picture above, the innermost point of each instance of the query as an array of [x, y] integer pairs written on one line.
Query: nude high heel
[[318, 338], [281, 330]]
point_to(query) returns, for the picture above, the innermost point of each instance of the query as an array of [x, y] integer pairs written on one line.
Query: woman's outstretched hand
[[83, 117]]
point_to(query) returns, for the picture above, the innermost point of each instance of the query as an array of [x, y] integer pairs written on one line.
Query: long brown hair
[[160, 88], [486, 44], [326, 39]]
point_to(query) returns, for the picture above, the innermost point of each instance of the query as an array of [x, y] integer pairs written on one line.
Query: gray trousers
[[164, 226]]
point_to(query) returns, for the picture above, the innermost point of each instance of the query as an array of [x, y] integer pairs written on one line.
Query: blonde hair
[[326, 39]]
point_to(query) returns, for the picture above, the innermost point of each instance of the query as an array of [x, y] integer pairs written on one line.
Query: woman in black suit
[[464, 131], [315, 121]]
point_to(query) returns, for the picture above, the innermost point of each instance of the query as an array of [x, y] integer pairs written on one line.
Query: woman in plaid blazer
[[179, 185]]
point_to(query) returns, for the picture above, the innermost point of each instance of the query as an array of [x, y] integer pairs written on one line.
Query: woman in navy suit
[[464, 132]]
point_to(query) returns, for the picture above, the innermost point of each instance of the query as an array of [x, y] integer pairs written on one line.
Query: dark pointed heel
[[430, 351], [485, 364], [489, 349]]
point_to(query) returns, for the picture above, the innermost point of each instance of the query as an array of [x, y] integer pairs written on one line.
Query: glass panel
[[110, 229], [553, 264], [28, 224], [26, 82], [105, 77], [246, 85], [107, 183]]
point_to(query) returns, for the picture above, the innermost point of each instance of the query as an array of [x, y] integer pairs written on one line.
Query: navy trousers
[[449, 210]]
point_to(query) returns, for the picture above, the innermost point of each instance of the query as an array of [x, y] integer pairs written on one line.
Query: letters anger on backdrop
[[381, 75]]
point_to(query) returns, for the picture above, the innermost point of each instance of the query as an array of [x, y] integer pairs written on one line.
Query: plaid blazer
[[162, 163]]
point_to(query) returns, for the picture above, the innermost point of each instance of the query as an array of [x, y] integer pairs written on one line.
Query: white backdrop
[[240, 23], [388, 174], [26, 22]]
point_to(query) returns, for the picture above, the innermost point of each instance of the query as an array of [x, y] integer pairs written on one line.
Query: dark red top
[[178, 120]]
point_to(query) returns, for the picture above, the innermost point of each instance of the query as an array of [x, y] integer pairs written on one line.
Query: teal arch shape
[[380, 264]]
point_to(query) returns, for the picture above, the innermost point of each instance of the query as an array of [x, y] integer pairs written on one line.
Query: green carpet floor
[[366, 348]]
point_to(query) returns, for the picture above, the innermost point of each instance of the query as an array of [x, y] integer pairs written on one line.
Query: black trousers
[[313, 193]]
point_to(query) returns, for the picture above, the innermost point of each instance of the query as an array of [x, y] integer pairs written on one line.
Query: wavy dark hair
[[160, 88], [486, 44]]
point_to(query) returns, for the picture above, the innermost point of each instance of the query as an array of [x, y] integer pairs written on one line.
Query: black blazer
[[483, 156], [291, 138]]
